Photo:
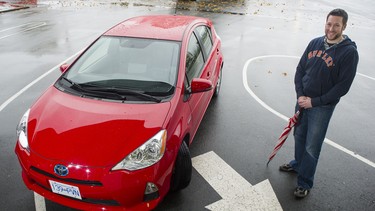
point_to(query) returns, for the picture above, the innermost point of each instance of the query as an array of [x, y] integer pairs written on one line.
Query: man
[[324, 74]]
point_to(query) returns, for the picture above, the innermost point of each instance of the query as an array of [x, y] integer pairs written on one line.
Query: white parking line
[[327, 141], [29, 26], [366, 76], [40, 204], [7, 102]]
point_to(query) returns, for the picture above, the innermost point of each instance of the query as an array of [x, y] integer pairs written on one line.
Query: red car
[[112, 133]]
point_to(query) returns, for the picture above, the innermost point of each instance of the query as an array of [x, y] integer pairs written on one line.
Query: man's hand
[[304, 102]]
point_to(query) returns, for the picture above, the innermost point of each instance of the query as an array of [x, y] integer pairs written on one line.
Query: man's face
[[334, 28]]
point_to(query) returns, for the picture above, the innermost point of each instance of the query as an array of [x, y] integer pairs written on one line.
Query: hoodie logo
[[319, 53]]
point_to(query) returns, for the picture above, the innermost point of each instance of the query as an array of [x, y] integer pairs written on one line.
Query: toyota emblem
[[61, 170]]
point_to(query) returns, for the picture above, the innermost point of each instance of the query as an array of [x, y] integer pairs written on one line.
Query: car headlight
[[146, 155], [22, 131]]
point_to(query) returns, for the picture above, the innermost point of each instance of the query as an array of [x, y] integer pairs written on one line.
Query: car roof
[[166, 27]]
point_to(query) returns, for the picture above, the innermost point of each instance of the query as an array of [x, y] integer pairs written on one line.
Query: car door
[[197, 67]]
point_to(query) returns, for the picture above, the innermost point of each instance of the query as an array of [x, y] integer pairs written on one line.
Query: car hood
[[90, 132]]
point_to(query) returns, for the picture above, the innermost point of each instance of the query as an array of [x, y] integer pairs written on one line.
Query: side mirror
[[64, 67], [200, 85]]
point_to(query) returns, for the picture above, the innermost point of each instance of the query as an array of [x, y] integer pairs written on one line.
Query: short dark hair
[[340, 13]]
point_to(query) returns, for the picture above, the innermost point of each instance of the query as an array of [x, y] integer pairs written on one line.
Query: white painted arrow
[[237, 193]]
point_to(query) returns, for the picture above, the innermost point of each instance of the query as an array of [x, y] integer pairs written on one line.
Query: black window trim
[[205, 54]]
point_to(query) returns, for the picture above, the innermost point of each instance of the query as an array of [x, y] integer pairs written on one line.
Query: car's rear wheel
[[218, 84], [182, 169]]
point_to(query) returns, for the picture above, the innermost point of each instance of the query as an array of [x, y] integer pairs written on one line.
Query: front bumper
[[100, 188]]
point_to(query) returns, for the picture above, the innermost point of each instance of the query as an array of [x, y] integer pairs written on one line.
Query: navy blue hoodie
[[324, 73]]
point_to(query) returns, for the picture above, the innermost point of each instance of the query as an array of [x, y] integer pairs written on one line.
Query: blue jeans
[[309, 134]]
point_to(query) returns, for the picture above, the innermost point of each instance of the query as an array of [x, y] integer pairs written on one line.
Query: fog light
[[151, 192]]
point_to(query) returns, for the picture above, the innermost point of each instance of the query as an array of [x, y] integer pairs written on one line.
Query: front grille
[[75, 181]]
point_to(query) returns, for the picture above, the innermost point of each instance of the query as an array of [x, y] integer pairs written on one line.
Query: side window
[[194, 59], [204, 34]]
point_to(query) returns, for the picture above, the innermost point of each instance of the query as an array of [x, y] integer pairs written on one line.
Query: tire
[[218, 84], [182, 171]]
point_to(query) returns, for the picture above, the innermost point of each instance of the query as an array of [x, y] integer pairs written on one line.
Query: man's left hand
[[304, 102]]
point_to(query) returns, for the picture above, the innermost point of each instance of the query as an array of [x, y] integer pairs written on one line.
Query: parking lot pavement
[[261, 52], [216, 6]]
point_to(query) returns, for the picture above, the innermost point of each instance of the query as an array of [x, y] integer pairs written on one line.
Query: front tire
[[182, 169], [218, 84]]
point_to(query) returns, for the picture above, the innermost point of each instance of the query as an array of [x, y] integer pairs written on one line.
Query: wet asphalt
[[261, 41]]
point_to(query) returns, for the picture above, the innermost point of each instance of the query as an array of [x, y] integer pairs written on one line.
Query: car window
[[132, 63], [194, 59], [204, 34], [100, 51]]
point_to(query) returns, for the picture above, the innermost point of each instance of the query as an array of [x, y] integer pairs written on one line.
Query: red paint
[[91, 136]]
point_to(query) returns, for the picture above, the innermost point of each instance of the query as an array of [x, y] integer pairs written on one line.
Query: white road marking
[[366, 76], [236, 192], [7, 102], [29, 26], [40, 204], [326, 140]]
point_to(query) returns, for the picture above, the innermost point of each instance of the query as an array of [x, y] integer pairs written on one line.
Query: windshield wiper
[[93, 92], [73, 85], [122, 91]]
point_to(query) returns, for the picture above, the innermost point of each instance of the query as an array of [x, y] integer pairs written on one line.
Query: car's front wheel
[[218, 84], [182, 169]]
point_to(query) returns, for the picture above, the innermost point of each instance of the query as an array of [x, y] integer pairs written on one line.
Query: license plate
[[64, 189]]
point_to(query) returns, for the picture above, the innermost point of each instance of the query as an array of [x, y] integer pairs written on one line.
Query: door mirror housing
[[200, 85], [64, 67]]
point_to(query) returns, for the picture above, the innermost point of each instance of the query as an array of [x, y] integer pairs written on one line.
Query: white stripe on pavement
[[7, 102], [40, 204], [366, 76], [30, 27]]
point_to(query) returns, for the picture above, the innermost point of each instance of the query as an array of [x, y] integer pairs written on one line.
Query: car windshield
[[145, 66]]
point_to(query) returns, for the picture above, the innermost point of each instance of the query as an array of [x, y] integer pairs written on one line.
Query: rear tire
[[182, 169]]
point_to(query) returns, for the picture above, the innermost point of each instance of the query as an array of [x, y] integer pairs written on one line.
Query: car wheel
[[218, 84], [182, 169]]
